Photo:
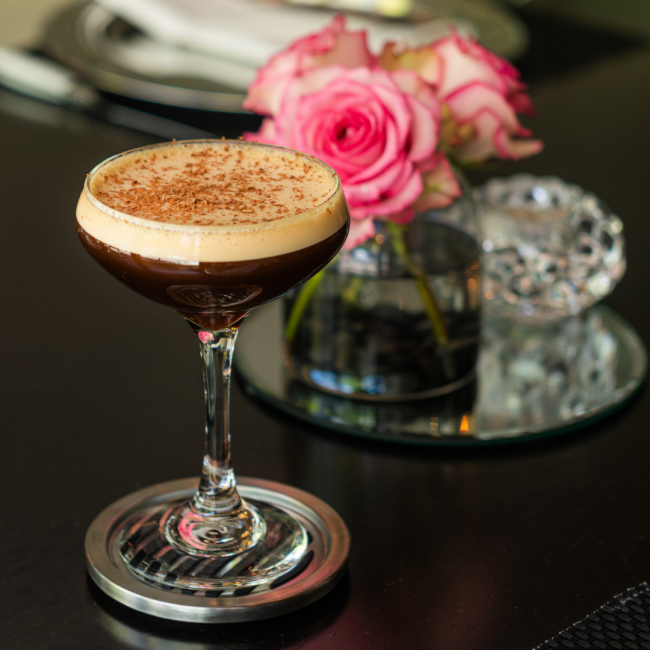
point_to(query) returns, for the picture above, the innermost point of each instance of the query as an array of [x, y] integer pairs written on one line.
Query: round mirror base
[[531, 383]]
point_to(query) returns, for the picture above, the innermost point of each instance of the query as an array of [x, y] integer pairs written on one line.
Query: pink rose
[[484, 91], [332, 46], [386, 124], [374, 128], [481, 93]]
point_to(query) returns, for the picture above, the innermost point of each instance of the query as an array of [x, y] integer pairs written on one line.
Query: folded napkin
[[250, 31], [623, 623]]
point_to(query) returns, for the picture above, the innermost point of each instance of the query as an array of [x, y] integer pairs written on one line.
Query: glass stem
[[216, 522], [217, 493]]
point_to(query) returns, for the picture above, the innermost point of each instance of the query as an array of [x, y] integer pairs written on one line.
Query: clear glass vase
[[396, 318]]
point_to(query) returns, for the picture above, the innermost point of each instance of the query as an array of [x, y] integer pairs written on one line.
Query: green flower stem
[[431, 307], [300, 304], [433, 311], [353, 290]]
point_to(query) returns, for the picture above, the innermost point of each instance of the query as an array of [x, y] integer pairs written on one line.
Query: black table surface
[[498, 548]]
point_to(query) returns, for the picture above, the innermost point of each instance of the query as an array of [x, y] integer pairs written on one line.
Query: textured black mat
[[622, 624]]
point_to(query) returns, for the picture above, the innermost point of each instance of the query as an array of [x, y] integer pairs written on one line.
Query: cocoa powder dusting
[[212, 186]]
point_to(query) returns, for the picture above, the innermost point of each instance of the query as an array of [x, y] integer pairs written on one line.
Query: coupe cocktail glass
[[212, 229]]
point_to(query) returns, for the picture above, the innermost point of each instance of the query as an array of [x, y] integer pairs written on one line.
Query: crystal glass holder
[[552, 249]]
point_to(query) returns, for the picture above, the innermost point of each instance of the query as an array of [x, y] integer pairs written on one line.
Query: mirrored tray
[[530, 383]]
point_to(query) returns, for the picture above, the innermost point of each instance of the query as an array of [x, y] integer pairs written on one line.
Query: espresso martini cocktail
[[212, 229]]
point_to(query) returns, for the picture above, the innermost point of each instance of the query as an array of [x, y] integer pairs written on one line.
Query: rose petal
[[411, 84], [333, 45], [521, 103], [425, 113], [421, 60], [474, 98], [360, 231], [512, 149], [313, 81], [407, 189], [424, 131], [460, 68], [440, 186], [266, 133], [372, 190]]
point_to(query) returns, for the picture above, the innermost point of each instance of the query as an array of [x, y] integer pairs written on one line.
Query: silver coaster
[[319, 571]]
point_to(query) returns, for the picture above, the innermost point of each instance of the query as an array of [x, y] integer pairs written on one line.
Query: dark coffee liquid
[[214, 295]]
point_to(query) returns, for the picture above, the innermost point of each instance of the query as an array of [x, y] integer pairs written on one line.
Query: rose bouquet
[[390, 125]]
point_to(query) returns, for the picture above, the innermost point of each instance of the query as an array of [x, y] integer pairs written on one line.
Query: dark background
[[452, 550]]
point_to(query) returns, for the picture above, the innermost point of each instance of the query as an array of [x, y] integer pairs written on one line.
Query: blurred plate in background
[[117, 56]]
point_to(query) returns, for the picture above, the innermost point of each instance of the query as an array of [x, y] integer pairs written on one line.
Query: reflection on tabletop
[[149, 633]]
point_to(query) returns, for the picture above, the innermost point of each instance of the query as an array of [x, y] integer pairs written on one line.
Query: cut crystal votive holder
[[551, 248]]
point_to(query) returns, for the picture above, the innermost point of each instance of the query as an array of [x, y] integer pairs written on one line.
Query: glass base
[[149, 547], [192, 533]]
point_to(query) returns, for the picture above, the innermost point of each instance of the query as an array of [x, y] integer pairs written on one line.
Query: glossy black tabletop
[[496, 549]]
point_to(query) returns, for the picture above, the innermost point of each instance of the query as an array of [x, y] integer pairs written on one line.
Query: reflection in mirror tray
[[531, 383]]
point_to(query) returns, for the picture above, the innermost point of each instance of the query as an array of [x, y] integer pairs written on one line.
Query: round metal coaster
[[316, 574]]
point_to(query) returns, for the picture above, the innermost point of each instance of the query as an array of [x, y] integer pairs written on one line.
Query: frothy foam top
[[211, 201]]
